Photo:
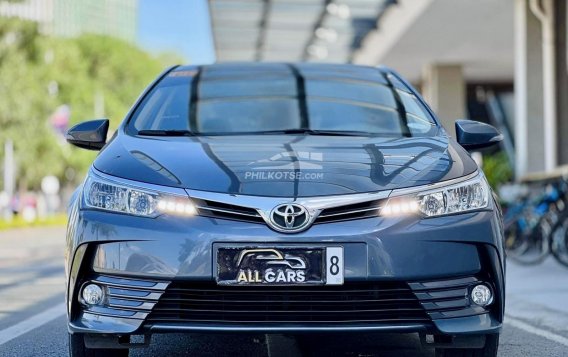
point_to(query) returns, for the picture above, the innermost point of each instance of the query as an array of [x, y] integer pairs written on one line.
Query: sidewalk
[[31, 244], [539, 295]]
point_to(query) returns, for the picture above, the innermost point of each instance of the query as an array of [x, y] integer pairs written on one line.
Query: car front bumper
[[437, 260]]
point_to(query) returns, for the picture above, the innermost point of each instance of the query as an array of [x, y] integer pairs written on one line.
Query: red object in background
[[60, 119]]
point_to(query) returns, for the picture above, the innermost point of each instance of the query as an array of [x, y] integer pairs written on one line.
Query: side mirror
[[475, 135], [90, 135]]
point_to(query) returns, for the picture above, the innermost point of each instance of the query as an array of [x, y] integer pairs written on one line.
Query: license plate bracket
[[280, 266]]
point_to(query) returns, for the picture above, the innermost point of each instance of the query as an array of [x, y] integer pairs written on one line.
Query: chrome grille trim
[[131, 283], [150, 296], [126, 297], [263, 206], [447, 298], [222, 210], [127, 305], [266, 204], [227, 211], [349, 212]]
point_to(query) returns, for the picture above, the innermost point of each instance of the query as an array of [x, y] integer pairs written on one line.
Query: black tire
[[77, 348], [489, 350]]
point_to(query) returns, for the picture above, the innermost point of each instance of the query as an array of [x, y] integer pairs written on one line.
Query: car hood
[[285, 165]]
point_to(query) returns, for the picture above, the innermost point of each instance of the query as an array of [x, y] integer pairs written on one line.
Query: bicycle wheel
[[534, 247], [515, 242], [559, 241]]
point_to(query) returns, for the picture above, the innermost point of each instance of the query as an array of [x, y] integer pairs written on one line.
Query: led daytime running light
[[110, 196], [456, 198]]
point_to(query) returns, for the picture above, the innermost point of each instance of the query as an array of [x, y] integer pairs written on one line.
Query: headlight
[[106, 195], [465, 196]]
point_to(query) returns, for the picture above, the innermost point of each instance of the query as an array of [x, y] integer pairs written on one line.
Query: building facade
[[71, 18], [449, 46], [115, 18]]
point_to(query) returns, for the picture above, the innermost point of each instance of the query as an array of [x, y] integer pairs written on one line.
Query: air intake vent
[[352, 303]]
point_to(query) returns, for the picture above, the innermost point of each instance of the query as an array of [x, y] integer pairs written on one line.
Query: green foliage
[[18, 222], [18, 37], [497, 169], [84, 70]]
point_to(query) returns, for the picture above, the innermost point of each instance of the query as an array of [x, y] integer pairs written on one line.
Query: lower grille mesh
[[348, 304]]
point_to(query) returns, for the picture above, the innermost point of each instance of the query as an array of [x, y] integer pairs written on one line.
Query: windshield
[[220, 100]]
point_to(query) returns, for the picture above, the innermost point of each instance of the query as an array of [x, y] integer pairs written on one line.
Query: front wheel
[[77, 348], [489, 350]]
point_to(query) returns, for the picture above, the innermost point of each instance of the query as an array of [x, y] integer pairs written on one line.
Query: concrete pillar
[[443, 87], [529, 124]]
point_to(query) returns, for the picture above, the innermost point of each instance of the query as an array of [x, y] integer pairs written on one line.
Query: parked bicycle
[[536, 220]]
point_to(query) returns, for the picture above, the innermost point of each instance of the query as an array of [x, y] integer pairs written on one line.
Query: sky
[[178, 26]]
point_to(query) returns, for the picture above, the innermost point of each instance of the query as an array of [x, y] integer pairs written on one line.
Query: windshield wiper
[[166, 133], [316, 132], [177, 132]]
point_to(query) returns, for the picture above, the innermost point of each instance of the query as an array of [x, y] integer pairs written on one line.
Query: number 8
[[334, 267]]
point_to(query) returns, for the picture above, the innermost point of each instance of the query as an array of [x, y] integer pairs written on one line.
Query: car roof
[[331, 69]]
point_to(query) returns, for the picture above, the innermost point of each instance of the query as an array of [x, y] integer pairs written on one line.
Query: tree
[[80, 69]]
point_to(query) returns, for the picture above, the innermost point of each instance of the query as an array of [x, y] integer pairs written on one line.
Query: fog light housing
[[92, 294], [481, 295]]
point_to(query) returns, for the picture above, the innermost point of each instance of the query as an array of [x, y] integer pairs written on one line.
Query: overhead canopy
[[478, 35], [292, 30]]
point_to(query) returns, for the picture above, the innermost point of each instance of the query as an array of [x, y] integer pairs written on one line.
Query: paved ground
[[32, 321]]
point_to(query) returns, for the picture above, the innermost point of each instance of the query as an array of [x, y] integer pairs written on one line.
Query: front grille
[[352, 303], [353, 211], [215, 209], [221, 210]]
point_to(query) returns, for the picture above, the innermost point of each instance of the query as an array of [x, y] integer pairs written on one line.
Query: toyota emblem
[[289, 218]]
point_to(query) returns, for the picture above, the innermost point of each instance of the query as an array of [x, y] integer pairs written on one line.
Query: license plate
[[280, 266]]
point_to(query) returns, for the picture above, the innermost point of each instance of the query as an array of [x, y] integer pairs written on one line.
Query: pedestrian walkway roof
[[292, 30]]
